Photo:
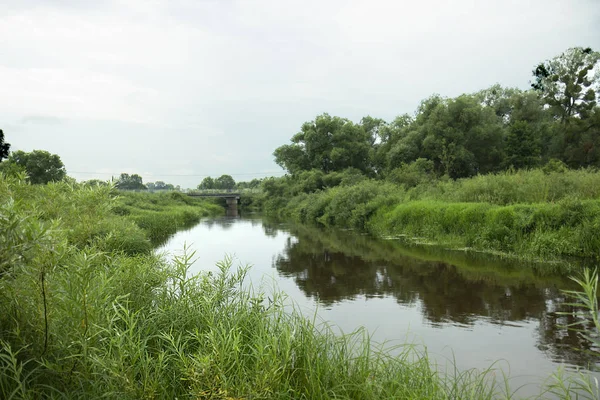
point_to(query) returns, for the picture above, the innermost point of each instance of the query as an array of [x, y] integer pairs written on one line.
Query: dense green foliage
[[160, 185], [223, 182], [489, 131], [130, 182], [40, 166], [81, 319], [253, 184], [327, 144]]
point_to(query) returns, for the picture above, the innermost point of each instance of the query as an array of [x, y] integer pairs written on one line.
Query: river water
[[468, 309]]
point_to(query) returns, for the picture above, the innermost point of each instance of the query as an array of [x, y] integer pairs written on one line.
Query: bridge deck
[[222, 195]]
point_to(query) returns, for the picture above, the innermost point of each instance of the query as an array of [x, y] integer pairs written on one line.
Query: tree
[[569, 83], [160, 185], [582, 141], [410, 175], [329, 144], [4, 147], [522, 146], [253, 184], [461, 136], [224, 182], [207, 183], [130, 182], [41, 166]]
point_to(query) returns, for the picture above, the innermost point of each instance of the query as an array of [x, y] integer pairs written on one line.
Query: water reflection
[[483, 309], [334, 266]]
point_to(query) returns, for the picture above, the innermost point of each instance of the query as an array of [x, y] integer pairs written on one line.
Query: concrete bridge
[[232, 199]]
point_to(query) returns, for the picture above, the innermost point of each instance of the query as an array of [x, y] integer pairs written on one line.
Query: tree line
[[557, 120], [226, 182], [42, 167]]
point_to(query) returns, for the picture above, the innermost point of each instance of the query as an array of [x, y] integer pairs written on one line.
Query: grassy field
[[87, 311]]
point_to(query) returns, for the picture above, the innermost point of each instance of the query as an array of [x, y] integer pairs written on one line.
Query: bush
[[410, 175]]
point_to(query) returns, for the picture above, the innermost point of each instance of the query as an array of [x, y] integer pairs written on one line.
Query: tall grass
[[543, 231], [527, 214], [170, 335], [162, 214], [101, 217], [511, 187]]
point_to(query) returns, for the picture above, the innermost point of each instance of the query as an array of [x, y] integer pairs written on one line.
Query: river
[[468, 309]]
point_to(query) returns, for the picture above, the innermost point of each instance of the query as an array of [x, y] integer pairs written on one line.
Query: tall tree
[[207, 183], [4, 147], [224, 182], [461, 136], [569, 83], [130, 182], [41, 166], [328, 144]]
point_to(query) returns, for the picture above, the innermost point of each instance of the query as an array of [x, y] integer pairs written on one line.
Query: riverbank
[[162, 214], [529, 215]]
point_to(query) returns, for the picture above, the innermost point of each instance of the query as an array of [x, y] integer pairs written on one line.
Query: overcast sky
[[175, 90]]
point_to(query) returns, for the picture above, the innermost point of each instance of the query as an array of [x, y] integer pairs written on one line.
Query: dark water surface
[[468, 307]]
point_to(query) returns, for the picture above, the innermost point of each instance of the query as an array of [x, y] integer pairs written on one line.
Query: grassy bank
[[527, 214], [162, 214]]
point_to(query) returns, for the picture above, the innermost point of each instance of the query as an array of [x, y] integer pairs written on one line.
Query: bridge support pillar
[[232, 207]]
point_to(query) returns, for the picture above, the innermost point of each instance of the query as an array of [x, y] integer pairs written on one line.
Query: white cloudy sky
[[179, 89]]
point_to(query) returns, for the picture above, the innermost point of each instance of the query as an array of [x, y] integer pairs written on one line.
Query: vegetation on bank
[[80, 318], [162, 214], [528, 213], [101, 217]]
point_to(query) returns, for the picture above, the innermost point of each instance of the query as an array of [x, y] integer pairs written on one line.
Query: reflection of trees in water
[[332, 266], [224, 223], [332, 276]]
